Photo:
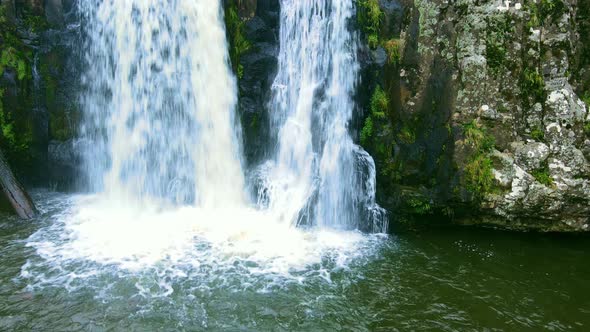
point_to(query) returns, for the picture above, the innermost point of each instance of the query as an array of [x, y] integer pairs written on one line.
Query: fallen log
[[14, 192]]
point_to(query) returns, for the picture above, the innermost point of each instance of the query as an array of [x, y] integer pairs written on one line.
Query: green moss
[[477, 137], [238, 42], [544, 12], [369, 18], [407, 135], [11, 58], [478, 171], [479, 176], [367, 131], [379, 103], [378, 108], [35, 22], [495, 55], [551, 9], [419, 206], [499, 30], [537, 134], [542, 175], [587, 129], [15, 125], [532, 84]]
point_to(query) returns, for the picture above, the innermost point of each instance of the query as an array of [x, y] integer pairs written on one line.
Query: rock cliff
[[479, 111], [476, 112]]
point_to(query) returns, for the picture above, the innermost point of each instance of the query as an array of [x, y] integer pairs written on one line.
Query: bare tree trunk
[[15, 193]]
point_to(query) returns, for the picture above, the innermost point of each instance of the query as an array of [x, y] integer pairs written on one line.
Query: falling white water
[[165, 159], [319, 176], [160, 102]]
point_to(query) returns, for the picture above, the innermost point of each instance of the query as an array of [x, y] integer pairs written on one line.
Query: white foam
[[96, 235]]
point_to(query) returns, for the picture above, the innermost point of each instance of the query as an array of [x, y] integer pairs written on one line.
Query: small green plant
[[537, 134], [479, 175], [542, 175], [419, 206], [498, 31], [35, 22], [495, 55], [379, 104], [239, 44], [532, 84], [477, 137], [369, 17], [367, 131], [534, 20], [553, 9], [373, 41], [10, 58], [392, 47], [478, 171], [407, 135], [587, 129]]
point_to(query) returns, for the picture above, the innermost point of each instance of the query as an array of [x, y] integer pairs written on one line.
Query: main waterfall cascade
[[319, 176], [160, 102], [169, 201]]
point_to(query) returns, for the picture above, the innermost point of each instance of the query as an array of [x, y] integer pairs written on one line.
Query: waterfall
[[163, 157], [318, 176], [159, 102]]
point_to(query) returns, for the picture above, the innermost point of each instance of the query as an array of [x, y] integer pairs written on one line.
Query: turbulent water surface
[[441, 280]]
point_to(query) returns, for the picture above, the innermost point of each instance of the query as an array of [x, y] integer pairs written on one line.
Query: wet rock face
[[65, 163], [487, 120], [40, 103], [260, 66]]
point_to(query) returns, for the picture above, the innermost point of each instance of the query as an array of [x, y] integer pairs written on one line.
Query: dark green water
[[440, 280]]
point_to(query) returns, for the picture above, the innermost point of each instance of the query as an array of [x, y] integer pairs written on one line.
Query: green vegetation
[[542, 175], [238, 42], [544, 11], [10, 58], [537, 134], [532, 84], [15, 122], [499, 29], [11, 54], [407, 135], [478, 171], [477, 137], [379, 105], [369, 19], [35, 22], [381, 148], [479, 176], [419, 206], [367, 130], [553, 9], [495, 55], [586, 99], [392, 47]]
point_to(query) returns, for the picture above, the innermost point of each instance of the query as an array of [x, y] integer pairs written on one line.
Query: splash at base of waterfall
[[93, 235]]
